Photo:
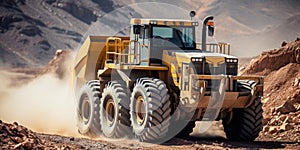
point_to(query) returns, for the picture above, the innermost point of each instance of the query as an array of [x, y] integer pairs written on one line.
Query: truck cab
[[156, 35]]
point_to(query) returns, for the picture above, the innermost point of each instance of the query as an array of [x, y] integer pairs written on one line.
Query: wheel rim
[[85, 110], [110, 112], [140, 110]]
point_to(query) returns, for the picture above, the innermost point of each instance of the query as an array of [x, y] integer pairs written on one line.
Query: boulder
[[296, 82], [266, 120], [273, 129], [296, 120], [283, 43], [265, 100], [266, 128], [283, 117], [296, 96], [273, 122], [288, 119], [286, 108], [285, 127], [273, 111]]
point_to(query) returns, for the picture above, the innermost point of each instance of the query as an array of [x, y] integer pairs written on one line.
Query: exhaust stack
[[205, 21]]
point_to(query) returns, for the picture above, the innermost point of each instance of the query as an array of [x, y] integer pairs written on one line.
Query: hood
[[197, 53]]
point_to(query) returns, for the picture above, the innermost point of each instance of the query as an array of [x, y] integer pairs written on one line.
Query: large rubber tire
[[114, 110], [246, 123], [88, 122], [187, 130], [150, 109]]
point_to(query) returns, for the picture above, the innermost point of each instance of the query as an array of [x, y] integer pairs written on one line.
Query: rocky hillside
[[32, 31], [281, 68]]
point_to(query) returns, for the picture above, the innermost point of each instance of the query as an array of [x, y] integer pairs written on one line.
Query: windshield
[[182, 37]]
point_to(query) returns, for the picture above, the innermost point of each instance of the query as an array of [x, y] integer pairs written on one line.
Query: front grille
[[198, 66], [209, 69], [231, 68]]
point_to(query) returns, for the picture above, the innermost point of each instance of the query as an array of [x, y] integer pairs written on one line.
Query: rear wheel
[[150, 109], [114, 110], [245, 123], [88, 122]]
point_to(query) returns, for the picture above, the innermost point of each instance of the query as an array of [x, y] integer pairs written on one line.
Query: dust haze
[[45, 104]]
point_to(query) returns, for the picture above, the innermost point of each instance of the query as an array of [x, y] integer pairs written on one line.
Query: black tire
[[246, 123], [150, 109], [88, 122], [187, 130], [114, 110]]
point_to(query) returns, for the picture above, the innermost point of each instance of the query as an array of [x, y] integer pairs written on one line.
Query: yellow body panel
[[215, 60], [86, 62]]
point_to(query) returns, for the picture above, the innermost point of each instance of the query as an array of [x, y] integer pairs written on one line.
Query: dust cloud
[[215, 130], [45, 104]]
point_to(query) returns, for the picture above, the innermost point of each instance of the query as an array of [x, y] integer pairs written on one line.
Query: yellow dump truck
[[159, 78]]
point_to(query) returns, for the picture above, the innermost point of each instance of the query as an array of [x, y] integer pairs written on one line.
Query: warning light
[[210, 23], [137, 21]]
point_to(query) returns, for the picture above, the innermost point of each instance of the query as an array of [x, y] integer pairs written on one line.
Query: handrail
[[221, 47], [121, 52]]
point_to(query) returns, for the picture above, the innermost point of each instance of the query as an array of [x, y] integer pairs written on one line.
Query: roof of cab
[[168, 22]]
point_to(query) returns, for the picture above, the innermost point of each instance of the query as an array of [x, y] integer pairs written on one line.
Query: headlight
[[153, 22], [195, 23], [196, 59], [231, 60]]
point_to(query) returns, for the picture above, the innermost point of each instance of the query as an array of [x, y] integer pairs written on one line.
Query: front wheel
[[150, 109], [245, 124]]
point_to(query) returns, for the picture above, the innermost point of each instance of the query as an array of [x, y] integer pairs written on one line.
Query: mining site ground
[[33, 140], [175, 143]]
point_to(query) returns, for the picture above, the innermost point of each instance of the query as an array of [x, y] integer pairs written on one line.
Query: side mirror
[[211, 30], [136, 29]]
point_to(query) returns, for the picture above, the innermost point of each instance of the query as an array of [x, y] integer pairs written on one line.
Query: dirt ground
[[14, 136], [175, 143]]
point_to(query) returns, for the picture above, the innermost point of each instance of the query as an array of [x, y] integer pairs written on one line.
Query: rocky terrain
[[14, 136], [281, 68]]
